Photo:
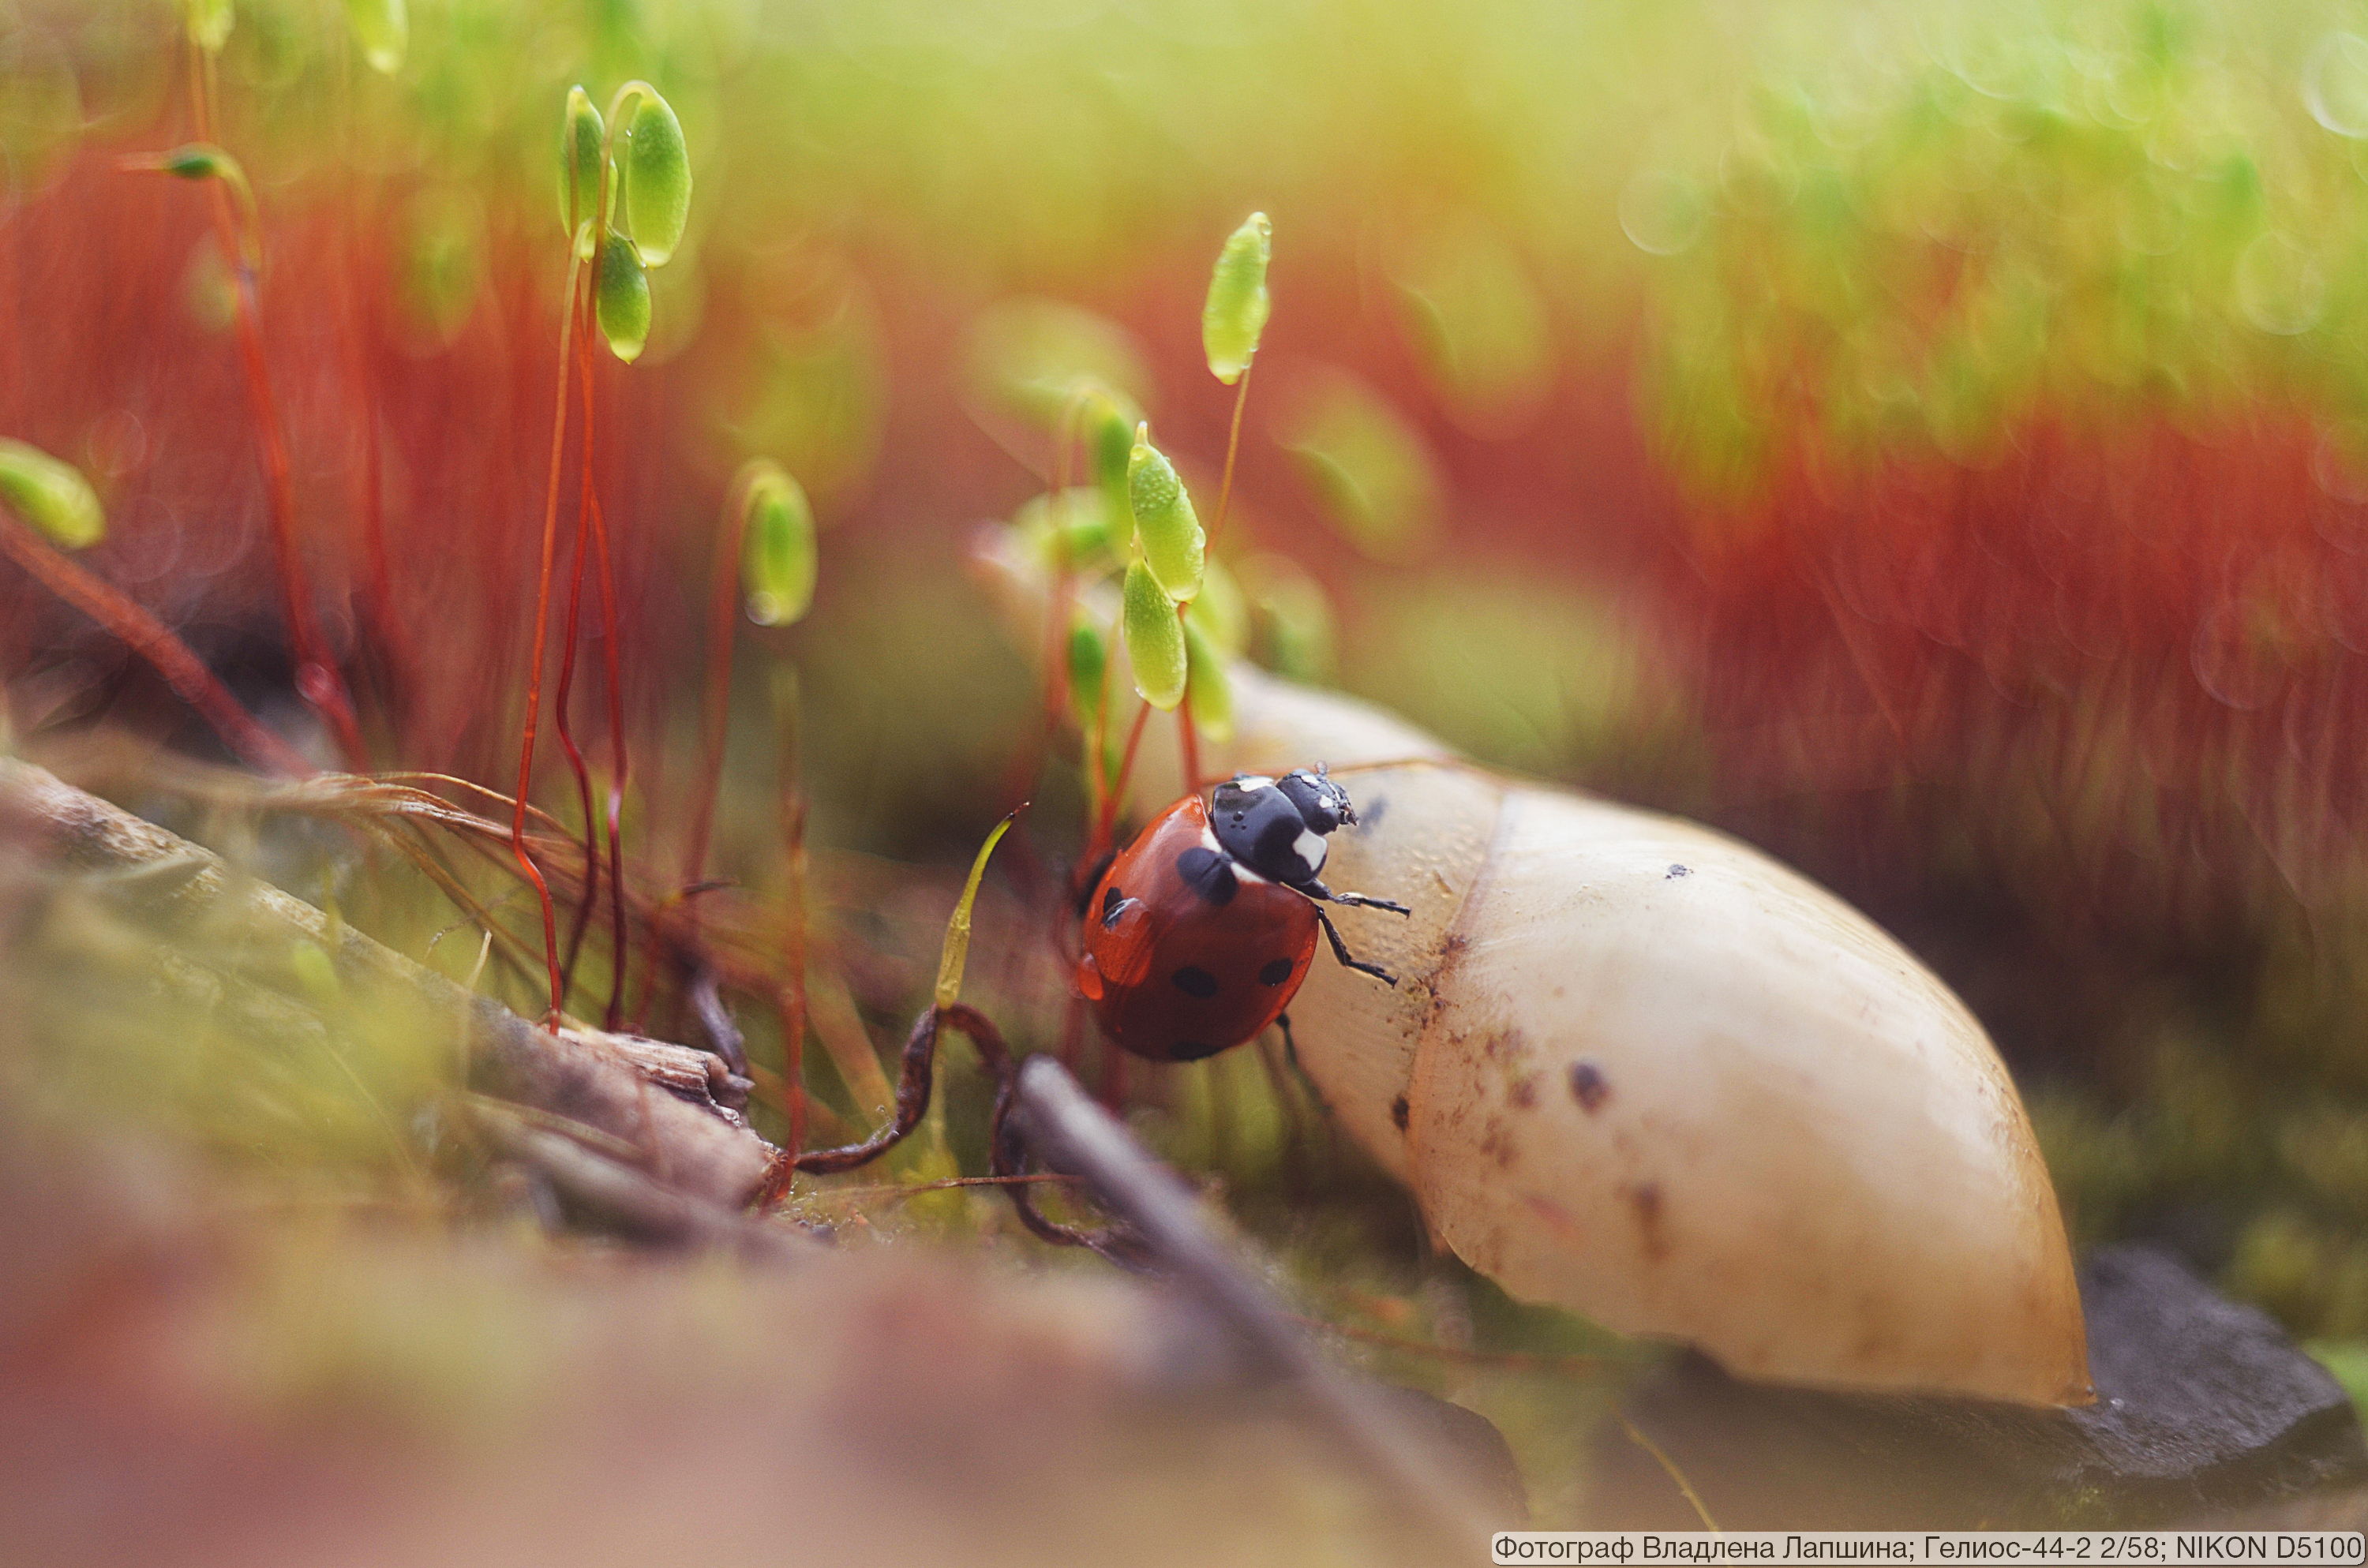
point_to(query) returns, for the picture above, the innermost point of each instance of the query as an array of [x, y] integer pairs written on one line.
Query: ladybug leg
[[1291, 1059], [1351, 900], [1341, 951]]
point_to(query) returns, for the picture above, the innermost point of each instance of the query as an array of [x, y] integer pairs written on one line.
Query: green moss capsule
[[1237, 310], [657, 177], [580, 171], [1154, 638], [209, 22], [52, 495], [623, 296], [1164, 523], [198, 160], [779, 559], [1208, 689], [1072, 526], [1088, 662], [383, 30], [1108, 421], [1220, 612]]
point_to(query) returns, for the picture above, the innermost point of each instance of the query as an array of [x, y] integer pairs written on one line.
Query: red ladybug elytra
[[1199, 935]]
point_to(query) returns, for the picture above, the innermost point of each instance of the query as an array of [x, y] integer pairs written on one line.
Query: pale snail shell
[[1639, 1070]]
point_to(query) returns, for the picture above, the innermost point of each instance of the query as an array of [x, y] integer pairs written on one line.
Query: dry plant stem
[[379, 804], [1670, 1469], [133, 625], [915, 1082], [634, 1203], [1066, 1129], [535, 647], [215, 915], [723, 1036]]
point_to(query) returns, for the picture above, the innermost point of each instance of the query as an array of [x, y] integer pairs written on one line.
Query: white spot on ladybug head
[[1247, 781], [1310, 848]]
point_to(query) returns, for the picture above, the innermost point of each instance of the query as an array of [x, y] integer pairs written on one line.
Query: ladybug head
[[1322, 803], [1277, 828]]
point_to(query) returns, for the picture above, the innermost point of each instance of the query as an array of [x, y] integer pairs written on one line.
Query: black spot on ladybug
[[1399, 1112], [1194, 981], [1207, 873], [1111, 899], [1189, 1051], [1678, 870], [1092, 878], [1590, 1087], [1276, 972]]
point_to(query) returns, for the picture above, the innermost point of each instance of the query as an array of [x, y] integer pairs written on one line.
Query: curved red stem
[[535, 648], [140, 631]]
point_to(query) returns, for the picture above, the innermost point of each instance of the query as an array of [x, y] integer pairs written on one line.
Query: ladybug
[[1198, 936]]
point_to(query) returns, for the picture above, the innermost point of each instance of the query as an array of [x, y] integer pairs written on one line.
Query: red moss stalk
[[570, 638], [1186, 732], [612, 659], [542, 636], [318, 678]]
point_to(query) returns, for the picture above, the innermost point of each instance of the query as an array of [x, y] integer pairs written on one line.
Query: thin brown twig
[[1069, 1131], [1670, 1468], [896, 1191]]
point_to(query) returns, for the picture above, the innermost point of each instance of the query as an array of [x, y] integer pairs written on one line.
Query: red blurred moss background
[[1928, 445]]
